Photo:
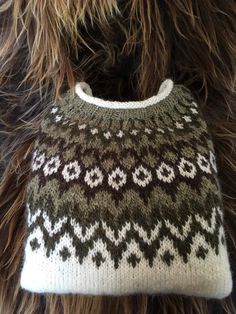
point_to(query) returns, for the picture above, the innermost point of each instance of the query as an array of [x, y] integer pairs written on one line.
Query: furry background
[[123, 49]]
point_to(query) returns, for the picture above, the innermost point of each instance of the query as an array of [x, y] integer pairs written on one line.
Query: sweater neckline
[[84, 92], [81, 104]]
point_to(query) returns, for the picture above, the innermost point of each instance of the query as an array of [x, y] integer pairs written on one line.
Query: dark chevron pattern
[[181, 233]]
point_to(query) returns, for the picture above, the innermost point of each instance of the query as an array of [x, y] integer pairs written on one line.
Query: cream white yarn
[[84, 91]]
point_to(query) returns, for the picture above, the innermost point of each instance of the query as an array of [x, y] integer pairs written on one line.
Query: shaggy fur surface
[[123, 49]]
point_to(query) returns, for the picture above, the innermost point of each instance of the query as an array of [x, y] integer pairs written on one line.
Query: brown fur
[[124, 49]]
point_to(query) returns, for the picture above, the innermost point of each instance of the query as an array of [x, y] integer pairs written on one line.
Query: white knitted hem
[[84, 91], [209, 277]]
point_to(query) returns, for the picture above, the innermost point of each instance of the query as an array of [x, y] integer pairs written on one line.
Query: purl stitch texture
[[124, 198]]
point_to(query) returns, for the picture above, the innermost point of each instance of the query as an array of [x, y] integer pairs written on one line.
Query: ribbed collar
[[84, 91], [84, 104]]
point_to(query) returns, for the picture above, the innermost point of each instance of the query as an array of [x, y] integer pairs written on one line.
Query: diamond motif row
[[117, 178]]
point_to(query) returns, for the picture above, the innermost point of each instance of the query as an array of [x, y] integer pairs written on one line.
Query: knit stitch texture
[[124, 198]]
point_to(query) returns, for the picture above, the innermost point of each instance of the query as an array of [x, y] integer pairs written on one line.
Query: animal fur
[[124, 49]]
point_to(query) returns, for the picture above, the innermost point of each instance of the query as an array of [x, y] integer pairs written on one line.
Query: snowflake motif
[[82, 126], [165, 173], [107, 134], [160, 130], [179, 125], [117, 178], [187, 118], [187, 169], [120, 134], [203, 163], [148, 131], [93, 177], [51, 166], [134, 132], [38, 161], [142, 176], [213, 161], [58, 118], [71, 171], [94, 131], [54, 110], [194, 111]]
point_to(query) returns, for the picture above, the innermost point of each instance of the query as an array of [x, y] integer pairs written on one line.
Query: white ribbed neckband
[[84, 91]]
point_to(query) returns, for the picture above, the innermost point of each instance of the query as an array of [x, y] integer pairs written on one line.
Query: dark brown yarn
[[123, 49]]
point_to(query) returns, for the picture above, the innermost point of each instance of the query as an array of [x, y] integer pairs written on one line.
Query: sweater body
[[125, 199]]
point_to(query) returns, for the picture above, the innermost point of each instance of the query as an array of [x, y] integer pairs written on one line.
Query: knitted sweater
[[124, 198]]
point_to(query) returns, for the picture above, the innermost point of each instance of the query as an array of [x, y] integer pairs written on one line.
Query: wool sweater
[[124, 198]]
